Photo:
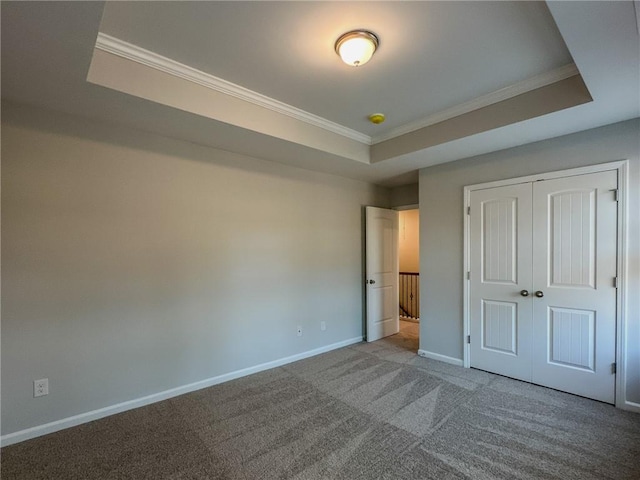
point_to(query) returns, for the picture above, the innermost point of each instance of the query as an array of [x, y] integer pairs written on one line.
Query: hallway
[[408, 337]]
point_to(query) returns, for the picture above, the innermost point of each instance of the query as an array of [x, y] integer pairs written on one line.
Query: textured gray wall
[[133, 263], [441, 227]]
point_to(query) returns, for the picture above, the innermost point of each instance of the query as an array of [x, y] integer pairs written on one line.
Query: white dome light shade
[[356, 48]]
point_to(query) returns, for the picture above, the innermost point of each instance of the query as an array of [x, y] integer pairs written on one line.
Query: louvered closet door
[[574, 252], [500, 252]]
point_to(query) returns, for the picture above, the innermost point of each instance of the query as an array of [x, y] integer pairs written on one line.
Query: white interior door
[[382, 272], [574, 305], [542, 302], [500, 253]]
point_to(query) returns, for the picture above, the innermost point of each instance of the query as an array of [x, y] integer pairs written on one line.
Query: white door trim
[[622, 168], [413, 206]]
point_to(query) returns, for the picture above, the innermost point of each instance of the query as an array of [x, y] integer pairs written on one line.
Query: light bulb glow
[[356, 48]]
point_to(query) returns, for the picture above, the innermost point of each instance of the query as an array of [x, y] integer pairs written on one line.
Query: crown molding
[[132, 52], [123, 49], [506, 93]]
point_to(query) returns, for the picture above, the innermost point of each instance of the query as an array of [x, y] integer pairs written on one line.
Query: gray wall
[[403, 196], [133, 263], [441, 228]]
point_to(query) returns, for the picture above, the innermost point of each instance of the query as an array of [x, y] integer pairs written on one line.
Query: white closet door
[[574, 266], [500, 253]]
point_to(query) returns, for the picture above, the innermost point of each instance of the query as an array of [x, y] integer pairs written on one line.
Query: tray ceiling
[[455, 79], [433, 55]]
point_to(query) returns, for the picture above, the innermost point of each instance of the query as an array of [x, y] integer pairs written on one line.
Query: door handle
[[524, 293], [372, 282], [539, 294]]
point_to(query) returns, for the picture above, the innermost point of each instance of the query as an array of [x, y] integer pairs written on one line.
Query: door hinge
[[468, 338], [615, 282], [614, 368], [468, 275], [468, 210], [615, 194]]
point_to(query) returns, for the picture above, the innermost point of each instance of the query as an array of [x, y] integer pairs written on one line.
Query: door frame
[[622, 169]]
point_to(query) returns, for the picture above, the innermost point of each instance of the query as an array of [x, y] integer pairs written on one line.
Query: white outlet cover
[[41, 387], [323, 326]]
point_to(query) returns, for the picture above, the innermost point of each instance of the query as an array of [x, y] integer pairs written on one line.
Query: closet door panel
[[500, 252], [574, 267]]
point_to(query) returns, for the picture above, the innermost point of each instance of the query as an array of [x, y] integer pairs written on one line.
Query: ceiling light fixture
[[357, 47]]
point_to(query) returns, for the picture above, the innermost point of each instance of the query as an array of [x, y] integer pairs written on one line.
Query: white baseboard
[[441, 358], [86, 417], [631, 406]]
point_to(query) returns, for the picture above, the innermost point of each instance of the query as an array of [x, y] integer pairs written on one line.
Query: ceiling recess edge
[[132, 52], [121, 48], [532, 83]]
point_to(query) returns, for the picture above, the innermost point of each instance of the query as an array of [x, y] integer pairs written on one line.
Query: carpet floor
[[369, 411]]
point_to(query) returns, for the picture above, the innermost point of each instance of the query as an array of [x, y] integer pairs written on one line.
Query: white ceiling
[[432, 55], [435, 58]]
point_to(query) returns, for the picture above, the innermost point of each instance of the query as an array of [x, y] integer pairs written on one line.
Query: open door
[[382, 272]]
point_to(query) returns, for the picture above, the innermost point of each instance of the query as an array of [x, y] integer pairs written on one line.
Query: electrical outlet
[[41, 387], [323, 326], [299, 331]]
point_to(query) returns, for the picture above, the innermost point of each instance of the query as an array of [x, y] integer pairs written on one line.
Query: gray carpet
[[408, 338], [370, 411]]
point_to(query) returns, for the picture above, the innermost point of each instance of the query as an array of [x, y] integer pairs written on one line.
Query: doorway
[[409, 278], [392, 276]]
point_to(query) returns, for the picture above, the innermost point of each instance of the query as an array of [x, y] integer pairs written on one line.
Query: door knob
[[372, 282], [539, 294], [524, 293]]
